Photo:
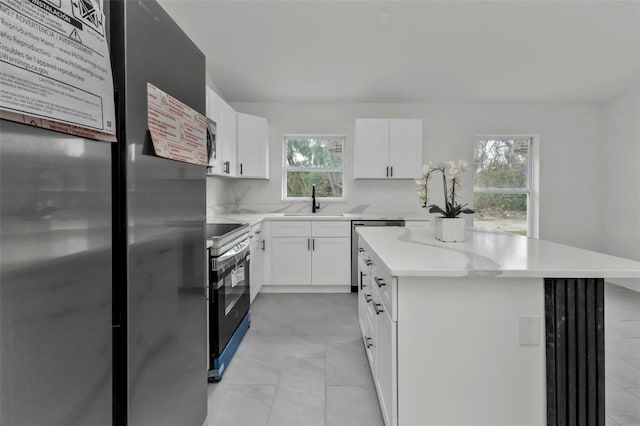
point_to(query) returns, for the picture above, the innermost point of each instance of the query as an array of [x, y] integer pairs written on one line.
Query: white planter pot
[[449, 229]]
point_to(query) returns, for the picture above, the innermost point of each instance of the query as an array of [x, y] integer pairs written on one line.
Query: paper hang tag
[[178, 132], [237, 276]]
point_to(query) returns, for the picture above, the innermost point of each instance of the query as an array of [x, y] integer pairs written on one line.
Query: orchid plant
[[453, 171]]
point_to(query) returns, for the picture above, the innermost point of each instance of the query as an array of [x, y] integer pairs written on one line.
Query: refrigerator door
[[160, 334], [55, 279]]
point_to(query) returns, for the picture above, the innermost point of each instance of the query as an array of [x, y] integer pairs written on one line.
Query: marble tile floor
[[302, 362], [622, 356]]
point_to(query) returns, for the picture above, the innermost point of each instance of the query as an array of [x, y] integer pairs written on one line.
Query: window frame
[[285, 168], [532, 184]]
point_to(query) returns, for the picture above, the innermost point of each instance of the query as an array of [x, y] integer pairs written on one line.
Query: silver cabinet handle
[[368, 298], [391, 171], [313, 244], [368, 262], [377, 308], [263, 245], [368, 342], [308, 243], [387, 171], [361, 250], [379, 281]]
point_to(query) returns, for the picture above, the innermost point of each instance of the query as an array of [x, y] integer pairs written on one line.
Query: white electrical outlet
[[529, 330]]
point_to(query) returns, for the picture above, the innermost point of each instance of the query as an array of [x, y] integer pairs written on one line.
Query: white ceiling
[[337, 51]]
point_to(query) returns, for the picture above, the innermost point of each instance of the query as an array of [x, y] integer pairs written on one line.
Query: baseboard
[[346, 288], [630, 283]]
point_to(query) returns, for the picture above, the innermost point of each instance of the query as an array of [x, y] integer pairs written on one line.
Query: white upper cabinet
[[214, 112], [241, 143], [225, 142], [387, 148], [405, 148], [371, 148], [227, 138], [253, 147]]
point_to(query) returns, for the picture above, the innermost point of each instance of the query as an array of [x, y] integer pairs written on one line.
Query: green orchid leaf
[[436, 209]]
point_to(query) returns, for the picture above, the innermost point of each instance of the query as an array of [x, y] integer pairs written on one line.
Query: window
[[502, 186], [313, 159]]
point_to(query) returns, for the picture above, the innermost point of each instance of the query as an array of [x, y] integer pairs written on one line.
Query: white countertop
[[416, 253], [253, 218]]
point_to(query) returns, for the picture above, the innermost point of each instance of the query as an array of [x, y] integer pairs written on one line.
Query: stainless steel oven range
[[228, 294]]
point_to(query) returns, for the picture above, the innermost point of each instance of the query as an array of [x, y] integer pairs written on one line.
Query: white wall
[[621, 207], [218, 195], [571, 184]]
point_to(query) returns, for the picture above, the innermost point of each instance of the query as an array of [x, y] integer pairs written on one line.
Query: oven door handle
[[238, 249]]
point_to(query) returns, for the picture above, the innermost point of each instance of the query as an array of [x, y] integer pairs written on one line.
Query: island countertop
[[416, 253]]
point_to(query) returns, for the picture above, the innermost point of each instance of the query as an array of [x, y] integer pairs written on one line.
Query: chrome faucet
[[314, 206]]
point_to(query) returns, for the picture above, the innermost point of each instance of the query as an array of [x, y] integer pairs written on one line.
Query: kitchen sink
[[313, 214]]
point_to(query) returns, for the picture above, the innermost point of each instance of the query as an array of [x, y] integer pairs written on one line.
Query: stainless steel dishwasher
[[354, 244]]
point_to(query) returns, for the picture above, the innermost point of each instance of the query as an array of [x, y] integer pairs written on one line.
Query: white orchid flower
[[452, 172], [463, 166]]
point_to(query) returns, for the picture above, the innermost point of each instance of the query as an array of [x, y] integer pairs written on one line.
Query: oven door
[[229, 301]]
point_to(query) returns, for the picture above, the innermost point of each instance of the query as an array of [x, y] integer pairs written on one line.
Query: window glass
[[501, 164], [501, 184], [504, 212], [314, 160]]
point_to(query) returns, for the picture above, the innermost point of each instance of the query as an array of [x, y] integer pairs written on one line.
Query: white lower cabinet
[[386, 366], [329, 255], [379, 332], [256, 266], [291, 260], [310, 253]]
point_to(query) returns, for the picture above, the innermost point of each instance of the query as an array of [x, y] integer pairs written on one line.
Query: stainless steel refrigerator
[[102, 249]]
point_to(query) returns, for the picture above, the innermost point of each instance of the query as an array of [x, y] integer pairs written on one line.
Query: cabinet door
[[228, 138], [364, 295], [331, 261], [386, 367], [253, 147], [256, 268], [405, 148], [371, 148], [214, 112], [291, 261]]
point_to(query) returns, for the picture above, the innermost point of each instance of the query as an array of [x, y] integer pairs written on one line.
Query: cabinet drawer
[[386, 287], [293, 228], [331, 228], [256, 229]]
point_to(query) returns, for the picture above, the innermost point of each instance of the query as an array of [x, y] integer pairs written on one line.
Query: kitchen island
[[498, 330]]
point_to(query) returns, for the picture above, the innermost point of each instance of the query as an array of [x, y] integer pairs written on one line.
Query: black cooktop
[[220, 229]]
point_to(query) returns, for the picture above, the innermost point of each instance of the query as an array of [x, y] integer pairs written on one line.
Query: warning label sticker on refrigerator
[[178, 132], [55, 69]]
